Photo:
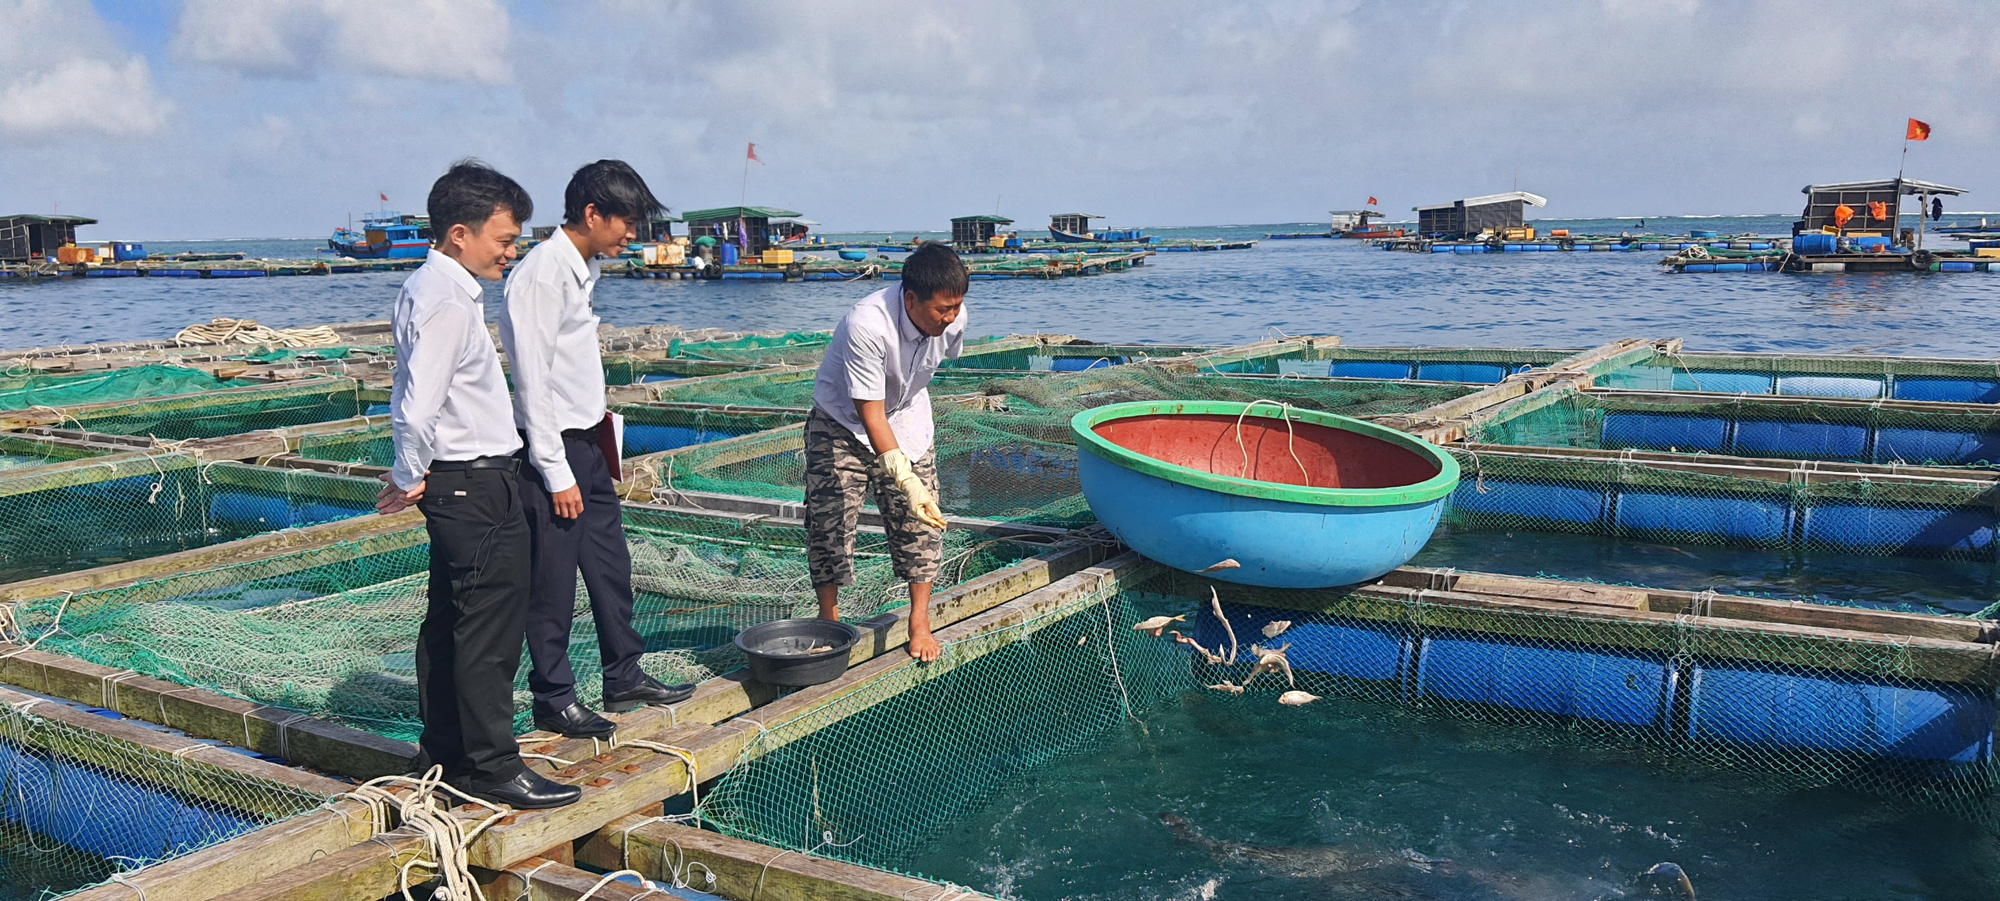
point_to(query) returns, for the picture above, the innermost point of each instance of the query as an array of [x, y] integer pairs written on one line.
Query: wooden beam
[[231, 868], [302, 740], [745, 870], [1215, 360], [406, 525], [541, 879], [368, 871]]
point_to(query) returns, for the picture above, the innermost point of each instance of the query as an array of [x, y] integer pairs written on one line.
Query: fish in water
[[1227, 687], [1229, 563], [1305, 861], [1276, 628], [1665, 880], [1272, 661], [1156, 625], [1297, 698]]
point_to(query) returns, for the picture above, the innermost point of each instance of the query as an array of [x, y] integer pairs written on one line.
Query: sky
[[281, 118]]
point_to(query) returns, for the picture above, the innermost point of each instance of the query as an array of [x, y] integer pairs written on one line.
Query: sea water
[[1349, 288], [1224, 798]]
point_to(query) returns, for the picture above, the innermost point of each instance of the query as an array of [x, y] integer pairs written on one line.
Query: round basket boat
[[854, 255], [1298, 498]]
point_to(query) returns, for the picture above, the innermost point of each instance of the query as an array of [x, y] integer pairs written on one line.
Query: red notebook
[[610, 434]]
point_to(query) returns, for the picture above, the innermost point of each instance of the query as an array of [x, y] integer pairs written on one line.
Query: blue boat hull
[[1279, 544]]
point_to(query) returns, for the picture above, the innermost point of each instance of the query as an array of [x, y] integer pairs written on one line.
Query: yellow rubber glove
[[922, 505]]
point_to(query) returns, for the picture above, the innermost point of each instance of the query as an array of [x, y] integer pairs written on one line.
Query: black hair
[[470, 194], [615, 188], [934, 269]]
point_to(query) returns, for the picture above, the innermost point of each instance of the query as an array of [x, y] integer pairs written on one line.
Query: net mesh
[[1775, 508], [70, 516], [791, 347], [78, 807], [61, 390], [648, 429], [1777, 708], [1011, 456], [217, 415], [332, 631], [1869, 433], [25, 452], [1862, 377]]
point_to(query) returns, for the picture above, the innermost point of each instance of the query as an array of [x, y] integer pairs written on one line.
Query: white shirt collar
[[578, 266], [457, 271], [904, 326]]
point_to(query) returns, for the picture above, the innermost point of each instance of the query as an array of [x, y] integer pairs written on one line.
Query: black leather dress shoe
[[526, 791], [576, 722], [648, 691]]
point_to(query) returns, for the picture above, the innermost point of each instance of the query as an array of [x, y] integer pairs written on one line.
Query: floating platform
[[206, 626], [1581, 243], [810, 269], [1918, 261], [228, 266]]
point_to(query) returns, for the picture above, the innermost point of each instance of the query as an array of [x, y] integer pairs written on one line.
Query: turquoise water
[[1367, 295], [1340, 800]]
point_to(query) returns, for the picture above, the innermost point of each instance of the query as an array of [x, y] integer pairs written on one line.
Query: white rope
[[247, 331], [1284, 410], [446, 837]]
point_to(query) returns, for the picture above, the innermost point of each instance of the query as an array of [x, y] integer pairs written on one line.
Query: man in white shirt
[[455, 443], [871, 430], [550, 331]]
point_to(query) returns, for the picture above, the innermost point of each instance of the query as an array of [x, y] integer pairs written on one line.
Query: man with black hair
[[455, 444], [871, 430], [570, 458]]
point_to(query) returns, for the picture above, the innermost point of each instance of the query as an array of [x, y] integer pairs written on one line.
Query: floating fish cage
[[95, 511], [1729, 687], [1778, 426], [18, 451], [1479, 366], [1010, 456], [83, 806], [331, 631], [631, 369], [29, 390], [1807, 375], [231, 411], [1079, 356], [649, 428]]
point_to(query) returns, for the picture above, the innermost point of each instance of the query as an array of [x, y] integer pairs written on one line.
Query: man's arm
[[435, 345], [528, 330]]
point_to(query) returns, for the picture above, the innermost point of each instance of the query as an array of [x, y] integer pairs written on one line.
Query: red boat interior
[[1331, 458]]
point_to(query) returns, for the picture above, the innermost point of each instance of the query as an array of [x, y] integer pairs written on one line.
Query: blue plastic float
[[1299, 498]]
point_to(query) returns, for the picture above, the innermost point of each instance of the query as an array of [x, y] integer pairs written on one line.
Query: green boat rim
[[1084, 425]]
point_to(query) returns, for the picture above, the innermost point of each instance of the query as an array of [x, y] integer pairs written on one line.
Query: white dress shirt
[[878, 354], [550, 332], [450, 397]]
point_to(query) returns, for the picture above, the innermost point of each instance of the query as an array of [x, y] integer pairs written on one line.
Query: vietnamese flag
[[385, 197], [1918, 131], [1371, 201], [752, 154]]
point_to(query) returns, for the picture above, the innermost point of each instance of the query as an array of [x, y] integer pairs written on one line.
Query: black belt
[[589, 434], [509, 464]]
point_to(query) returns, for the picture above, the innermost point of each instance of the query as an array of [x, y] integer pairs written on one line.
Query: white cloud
[[452, 40], [63, 75]]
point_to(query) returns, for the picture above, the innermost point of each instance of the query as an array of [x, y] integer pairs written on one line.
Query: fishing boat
[[1296, 498], [1074, 228], [384, 236], [1346, 224]]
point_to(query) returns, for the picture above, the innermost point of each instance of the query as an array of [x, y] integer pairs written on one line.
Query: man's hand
[[568, 502], [923, 645], [392, 499], [922, 505]]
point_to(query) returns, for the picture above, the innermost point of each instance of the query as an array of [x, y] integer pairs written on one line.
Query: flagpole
[[744, 198]]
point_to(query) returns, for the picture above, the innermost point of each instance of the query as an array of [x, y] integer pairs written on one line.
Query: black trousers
[[469, 646], [595, 544]]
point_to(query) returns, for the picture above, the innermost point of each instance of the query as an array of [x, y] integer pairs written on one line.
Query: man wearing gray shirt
[[871, 430]]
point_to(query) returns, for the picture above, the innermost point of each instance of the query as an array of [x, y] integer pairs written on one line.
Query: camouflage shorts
[[839, 468]]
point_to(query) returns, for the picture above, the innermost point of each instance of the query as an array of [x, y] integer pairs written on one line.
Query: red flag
[[385, 197], [1918, 131], [753, 152], [1371, 201]]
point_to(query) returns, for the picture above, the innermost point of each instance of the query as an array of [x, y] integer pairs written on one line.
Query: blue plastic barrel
[[1815, 244], [1903, 531], [729, 254], [1936, 446], [128, 252], [1477, 373], [1701, 233], [1663, 432], [1565, 680], [1801, 439], [1745, 520], [1949, 390], [1718, 381], [1369, 369], [1858, 387], [1370, 651], [1761, 707], [1560, 507]]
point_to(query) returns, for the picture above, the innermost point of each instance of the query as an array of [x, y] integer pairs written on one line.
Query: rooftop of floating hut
[[1822, 200], [25, 236], [1468, 217], [968, 232], [748, 227]]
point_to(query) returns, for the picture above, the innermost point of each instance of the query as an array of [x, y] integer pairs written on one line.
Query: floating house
[[658, 230], [1354, 224], [25, 237], [384, 236], [1863, 198], [748, 227], [1469, 217], [976, 232], [1074, 228]]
